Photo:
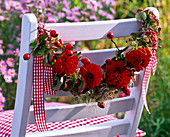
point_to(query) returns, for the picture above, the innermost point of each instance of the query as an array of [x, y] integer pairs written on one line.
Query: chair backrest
[[132, 105]]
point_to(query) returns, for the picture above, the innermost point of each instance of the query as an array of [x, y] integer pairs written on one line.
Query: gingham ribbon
[[151, 66], [42, 82]]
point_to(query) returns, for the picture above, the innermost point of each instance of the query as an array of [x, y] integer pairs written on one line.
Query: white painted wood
[[79, 111], [24, 86], [80, 31], [108, 129], [135, 115]]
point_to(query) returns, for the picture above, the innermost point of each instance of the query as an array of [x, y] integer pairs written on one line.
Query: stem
[[115, 57], [115, 44]]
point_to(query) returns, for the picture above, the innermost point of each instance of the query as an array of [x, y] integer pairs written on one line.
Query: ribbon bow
[[151, 66], [42, 82]]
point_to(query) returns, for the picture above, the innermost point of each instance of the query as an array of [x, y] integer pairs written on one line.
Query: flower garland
[[92, 82]]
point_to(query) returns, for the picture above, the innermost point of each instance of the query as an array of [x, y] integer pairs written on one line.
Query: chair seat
[[7, 116]]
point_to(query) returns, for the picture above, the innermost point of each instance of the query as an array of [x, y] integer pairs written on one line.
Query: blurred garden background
[[158, 123]]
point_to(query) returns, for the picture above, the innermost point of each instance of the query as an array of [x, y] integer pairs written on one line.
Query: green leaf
[[134, 35], [57, 84], [48, 60], [82, 85], [42, 37], [141, 16], [33, 44], [70, 82], [40, 50]]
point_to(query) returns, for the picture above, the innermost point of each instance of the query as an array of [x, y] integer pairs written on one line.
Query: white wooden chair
[[132, 105]]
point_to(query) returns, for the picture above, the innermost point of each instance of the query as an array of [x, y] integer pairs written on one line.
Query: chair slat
[[108, 129], [79, 111], [94, 30]]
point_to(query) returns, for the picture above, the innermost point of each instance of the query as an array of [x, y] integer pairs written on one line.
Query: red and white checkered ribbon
[[151, 66], [42, 82]]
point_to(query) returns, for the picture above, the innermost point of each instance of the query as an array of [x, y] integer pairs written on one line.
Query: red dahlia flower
[[92, 75], [65, 65], [117, 75], [138, 59]]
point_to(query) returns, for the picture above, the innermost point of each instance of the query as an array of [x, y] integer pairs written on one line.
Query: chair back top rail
[[80, 31], [108, 129]]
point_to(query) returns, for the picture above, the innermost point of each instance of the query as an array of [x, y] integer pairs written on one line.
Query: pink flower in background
[[73, 18], [1, 41], [16, 81], [85, 13], [93, 17], [11, 72], [68, 12], [50, 18], [2, 64], [9, 52], [18, 39], [1, 106], [2, 18], [66, 3], [2, 99], [99, 4], [7, 5], [1, 52], [109, 16], [10, 46], [3, 70], [102, 12], [112, 10], [61, 14], [3, 67], [17, 52], [10, 62], [8, 79]]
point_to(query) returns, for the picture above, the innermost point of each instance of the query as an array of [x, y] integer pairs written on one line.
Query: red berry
[[26, 56], [110, 35], [159, 38], [60, 40], [130, 39], [56, 43], [159, 46], [69, 52], [122, 95], [69, 46], [53, 33], [108, 60], [101, 104], [85, 61]]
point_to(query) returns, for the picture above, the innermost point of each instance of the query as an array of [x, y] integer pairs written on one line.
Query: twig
[[115, 45]]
